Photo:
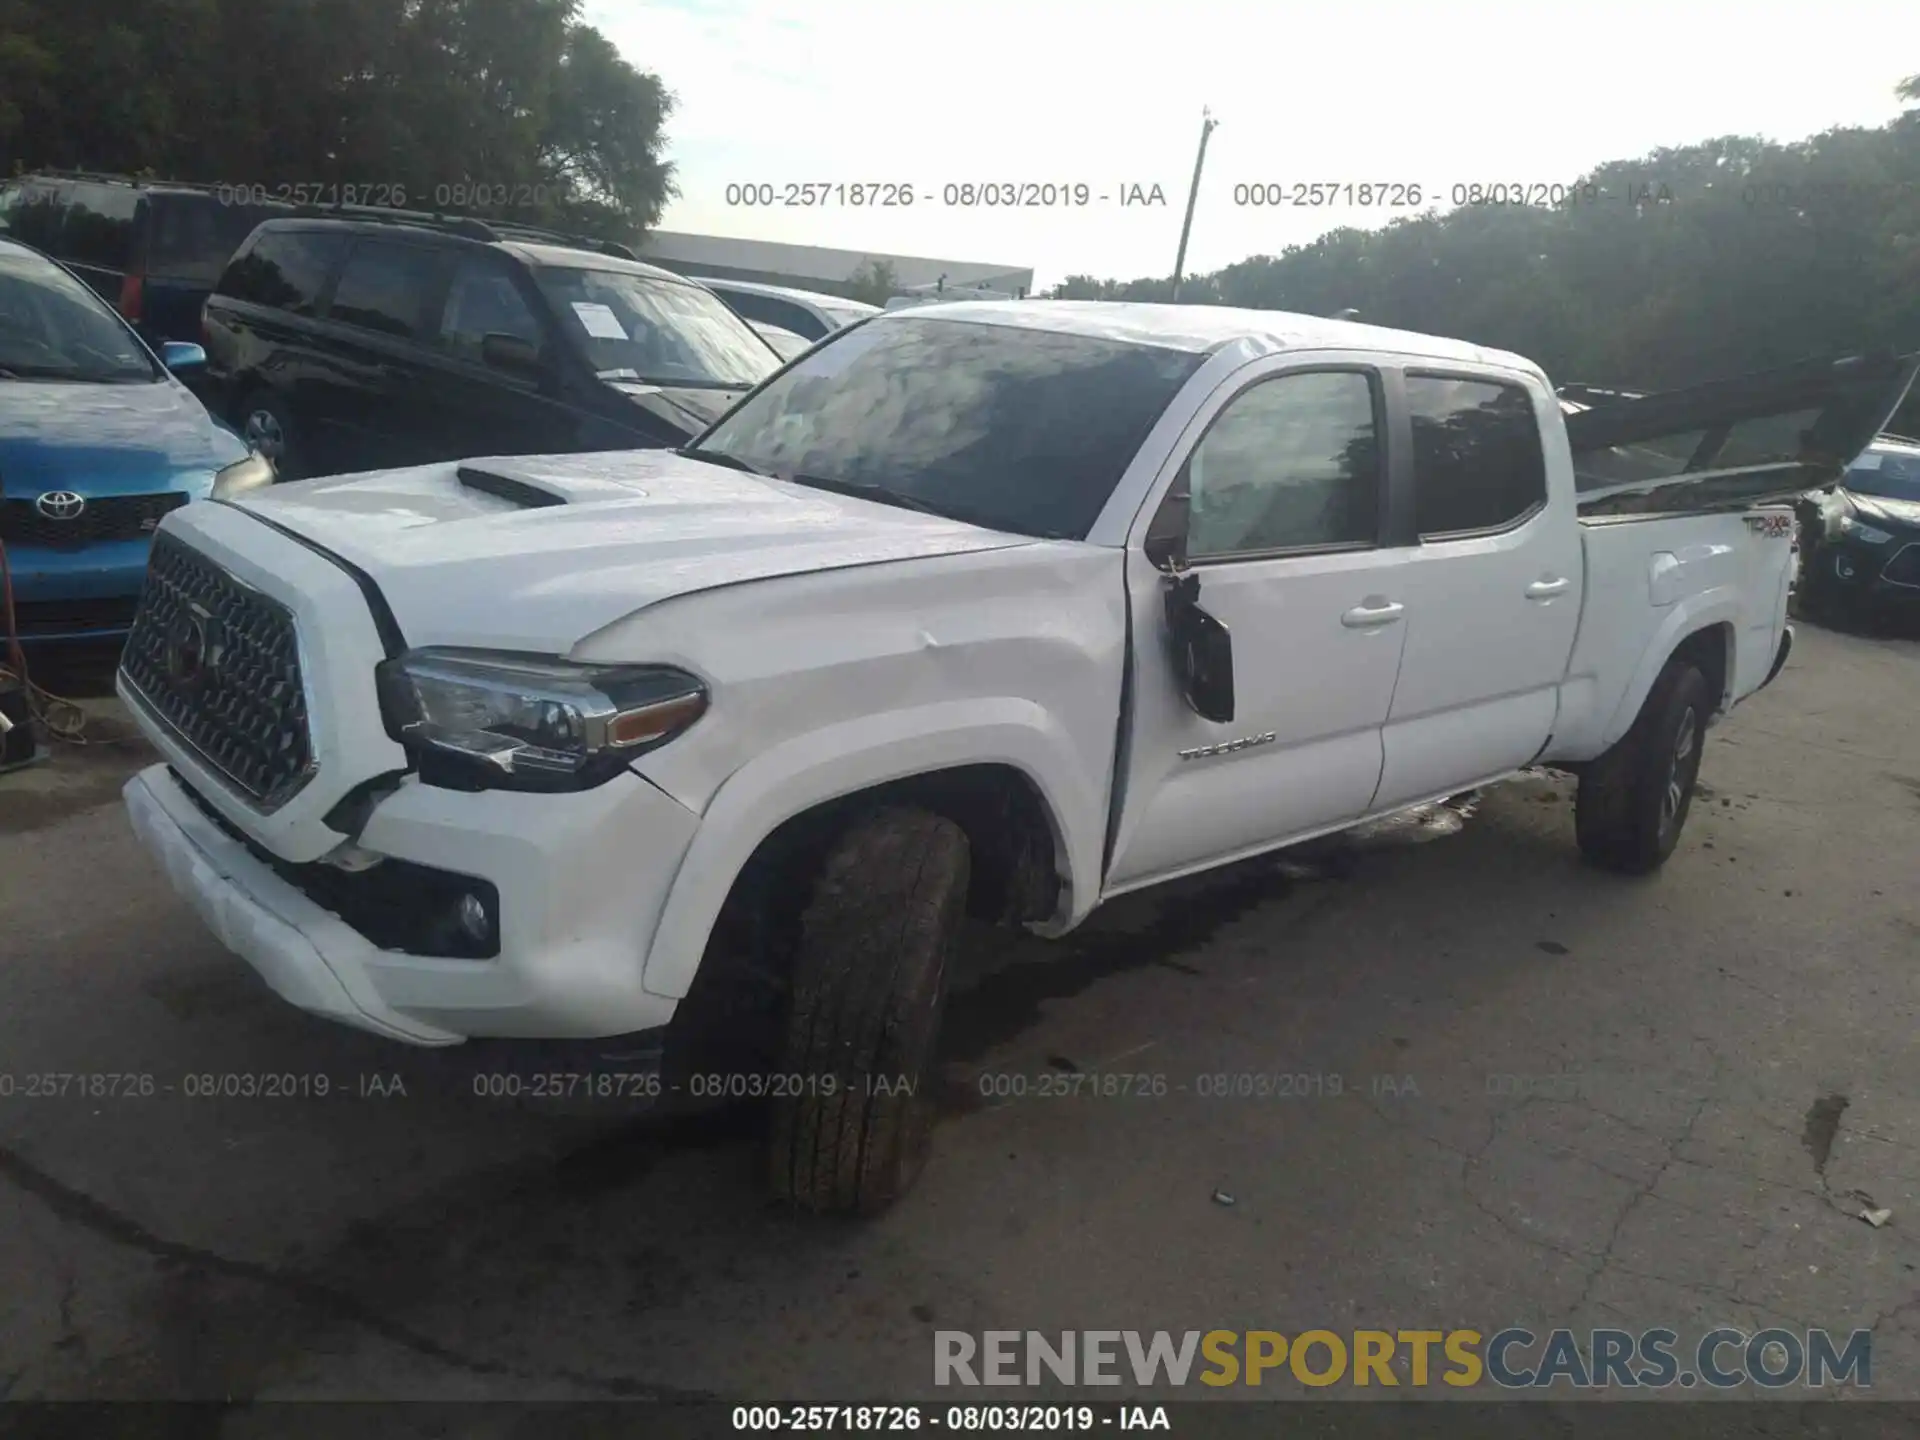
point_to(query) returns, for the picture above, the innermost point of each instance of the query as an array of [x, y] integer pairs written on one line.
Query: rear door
[[1286, 468], [1492, 588], [376, 338]]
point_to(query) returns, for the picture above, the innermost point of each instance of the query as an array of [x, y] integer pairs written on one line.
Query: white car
[[807, 313], [1001, 609]]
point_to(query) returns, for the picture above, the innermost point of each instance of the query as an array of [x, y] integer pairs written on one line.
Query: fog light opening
[[1843, 566], [470, 917]]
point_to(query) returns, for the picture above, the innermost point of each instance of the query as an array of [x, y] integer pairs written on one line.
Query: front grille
[[107, 517], [1904, 568], [219, 664], [397, 905], [73, 617]]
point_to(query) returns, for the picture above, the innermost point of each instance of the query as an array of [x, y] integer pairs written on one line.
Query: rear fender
[[1717, 609]]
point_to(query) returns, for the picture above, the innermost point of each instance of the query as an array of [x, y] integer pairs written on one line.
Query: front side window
[[1011, 427], [631, 326], [285, 269], [1477, 460], [52, 327], [386, 288], [1292, 463], [483, 301]]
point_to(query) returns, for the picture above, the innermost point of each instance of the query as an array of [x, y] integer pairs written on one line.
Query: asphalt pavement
[[1487, 1086]]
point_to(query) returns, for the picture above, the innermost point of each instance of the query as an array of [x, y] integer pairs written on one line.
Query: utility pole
[[1207, 126]]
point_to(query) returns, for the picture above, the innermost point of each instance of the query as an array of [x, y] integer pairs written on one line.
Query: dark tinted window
[[1292, 462], [99, 228], [387, 287], [33, 217], [191, 237], [1477, 462], [286, 269], [1007, 426], [483, 301], [772, 311]]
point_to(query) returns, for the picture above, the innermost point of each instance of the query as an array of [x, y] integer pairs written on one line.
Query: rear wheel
[[853, 1119], [1633, 801]]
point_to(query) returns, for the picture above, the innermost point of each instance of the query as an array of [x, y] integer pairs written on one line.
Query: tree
[[508, 108], [873, 281]]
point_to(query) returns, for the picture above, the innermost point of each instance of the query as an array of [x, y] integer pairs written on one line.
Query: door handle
[[1547, 589], [1365, 617]]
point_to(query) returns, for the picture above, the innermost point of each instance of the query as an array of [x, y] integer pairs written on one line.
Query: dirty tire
[[869, 988], [1625, 816]]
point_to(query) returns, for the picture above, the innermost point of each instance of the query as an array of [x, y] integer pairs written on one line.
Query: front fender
[[839, 760]]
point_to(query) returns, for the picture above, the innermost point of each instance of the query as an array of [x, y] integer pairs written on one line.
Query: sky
[[927, 94]]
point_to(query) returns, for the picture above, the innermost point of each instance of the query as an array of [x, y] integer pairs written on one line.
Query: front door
[[1284, 533]]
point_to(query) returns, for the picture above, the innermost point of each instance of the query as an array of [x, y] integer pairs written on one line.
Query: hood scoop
[[507, 487]]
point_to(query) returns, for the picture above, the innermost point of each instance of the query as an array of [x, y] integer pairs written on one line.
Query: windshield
[[635, 327], [1006, 426], [1887, 474], [54, 328]]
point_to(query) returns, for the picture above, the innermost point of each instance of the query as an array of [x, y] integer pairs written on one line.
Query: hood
[[1882, 508], [108, 439], [686, 409], [463, 566]]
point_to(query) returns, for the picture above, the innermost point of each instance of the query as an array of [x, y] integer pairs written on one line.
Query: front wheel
[[1633, 800], [853, 1121]]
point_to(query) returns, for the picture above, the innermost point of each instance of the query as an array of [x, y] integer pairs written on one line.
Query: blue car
[[98, 441]]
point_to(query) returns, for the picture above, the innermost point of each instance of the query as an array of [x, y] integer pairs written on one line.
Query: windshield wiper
[[719, 457]]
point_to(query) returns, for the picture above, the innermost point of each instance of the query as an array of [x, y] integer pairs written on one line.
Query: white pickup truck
[[994, 609]]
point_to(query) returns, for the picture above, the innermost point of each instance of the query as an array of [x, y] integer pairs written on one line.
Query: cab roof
[[1203, 328]]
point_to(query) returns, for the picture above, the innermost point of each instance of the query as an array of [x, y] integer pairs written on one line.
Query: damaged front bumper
[[577, 883]]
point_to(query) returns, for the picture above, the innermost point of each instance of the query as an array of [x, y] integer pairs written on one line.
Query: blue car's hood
[[108, 439]]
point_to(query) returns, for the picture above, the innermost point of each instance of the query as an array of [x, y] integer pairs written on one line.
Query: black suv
[[151, 249], [342, 344]]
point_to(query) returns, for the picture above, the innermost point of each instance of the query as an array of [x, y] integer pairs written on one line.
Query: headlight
[[1851, 527], [523, 722], [243, 475]]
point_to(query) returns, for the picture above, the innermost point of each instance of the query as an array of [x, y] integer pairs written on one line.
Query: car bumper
[[581, 880], [1871, 574], [85, 594]]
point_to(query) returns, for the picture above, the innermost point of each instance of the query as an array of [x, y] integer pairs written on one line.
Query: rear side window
[[387, 287], [191, 237], [99, 227], [1477, 461], [34, 215], [285, 269]]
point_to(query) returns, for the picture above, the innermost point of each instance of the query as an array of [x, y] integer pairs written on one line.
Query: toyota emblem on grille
[[193, 650], [61, 505]]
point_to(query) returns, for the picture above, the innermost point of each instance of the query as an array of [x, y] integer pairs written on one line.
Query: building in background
[[815, 267]]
